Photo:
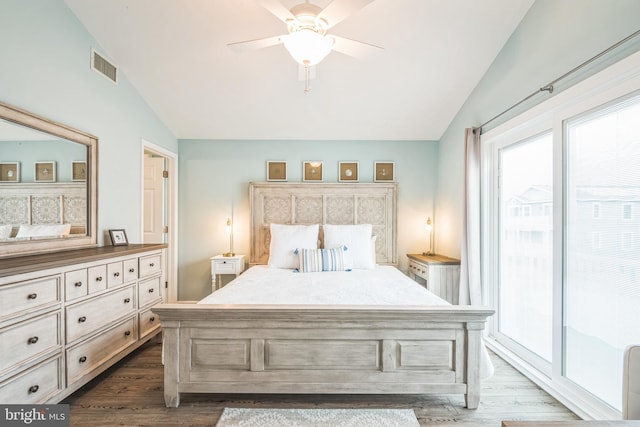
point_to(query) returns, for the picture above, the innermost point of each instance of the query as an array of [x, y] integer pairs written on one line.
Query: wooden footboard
[[321, 349]]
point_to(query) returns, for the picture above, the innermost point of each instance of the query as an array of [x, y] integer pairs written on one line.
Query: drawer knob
[[127, 333], [34, 388], [152, 318], [82, 359], [132, 270], [151, 264], [82, 319], [32, 296], [32, 340], [150, 290], [116, 274], [99, 279], [127, 300], [77, 284]]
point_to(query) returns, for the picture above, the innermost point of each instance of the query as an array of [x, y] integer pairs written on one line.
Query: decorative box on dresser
[[67, 316], [439, 274]]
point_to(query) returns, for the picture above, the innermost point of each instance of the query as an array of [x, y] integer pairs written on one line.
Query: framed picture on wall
[[45, 172], [312, 171], [118, 237], [384, 171], [78, 171], [276, 170], [10, 172], [348, 171]]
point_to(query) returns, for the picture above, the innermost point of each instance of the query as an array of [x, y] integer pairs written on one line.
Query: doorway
[[159, 208]]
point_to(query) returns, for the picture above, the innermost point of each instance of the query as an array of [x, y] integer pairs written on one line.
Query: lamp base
[[428, 253], [228, 254]]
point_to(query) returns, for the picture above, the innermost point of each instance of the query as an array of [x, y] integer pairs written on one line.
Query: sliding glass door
[[561, 238], [526, 245], [602, 255]]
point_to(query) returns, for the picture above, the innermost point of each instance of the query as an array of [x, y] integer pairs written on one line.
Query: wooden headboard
[[323, 203]]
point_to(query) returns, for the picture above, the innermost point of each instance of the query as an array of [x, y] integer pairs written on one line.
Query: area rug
[[262, 417]]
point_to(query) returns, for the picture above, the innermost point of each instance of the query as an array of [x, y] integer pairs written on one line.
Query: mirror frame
[[25, 118]]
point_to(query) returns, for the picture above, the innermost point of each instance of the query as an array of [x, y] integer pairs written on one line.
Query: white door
[[154, 200]]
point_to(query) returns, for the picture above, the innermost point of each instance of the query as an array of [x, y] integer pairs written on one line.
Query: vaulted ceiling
[[175, 53]]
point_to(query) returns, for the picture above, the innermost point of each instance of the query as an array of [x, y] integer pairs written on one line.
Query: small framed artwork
[[10, 172], [384, 171], [118, 237], [276, 170], [78, 171], [45, 172], [312, 171], [348, 171]]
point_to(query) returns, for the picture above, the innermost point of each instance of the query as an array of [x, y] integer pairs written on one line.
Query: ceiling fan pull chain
[[307, 72]]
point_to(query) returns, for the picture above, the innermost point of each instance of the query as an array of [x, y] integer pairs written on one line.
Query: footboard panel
[[244, 349]]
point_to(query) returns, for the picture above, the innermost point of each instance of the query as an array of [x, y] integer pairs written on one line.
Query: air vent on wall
[[104, 67]]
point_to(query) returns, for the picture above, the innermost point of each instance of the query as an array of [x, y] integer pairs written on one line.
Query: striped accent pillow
[[315, 260]]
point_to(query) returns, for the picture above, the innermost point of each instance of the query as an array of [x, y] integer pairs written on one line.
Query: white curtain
[[470, 276]]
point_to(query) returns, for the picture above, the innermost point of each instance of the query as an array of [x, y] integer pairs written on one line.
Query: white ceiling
[[175, 54]]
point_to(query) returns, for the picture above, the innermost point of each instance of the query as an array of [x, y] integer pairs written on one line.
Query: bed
[[355, 330]]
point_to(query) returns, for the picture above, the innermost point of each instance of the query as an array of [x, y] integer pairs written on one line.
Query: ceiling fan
[[307, 40]]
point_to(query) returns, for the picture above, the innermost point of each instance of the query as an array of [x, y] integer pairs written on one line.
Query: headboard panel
[[323, 203]]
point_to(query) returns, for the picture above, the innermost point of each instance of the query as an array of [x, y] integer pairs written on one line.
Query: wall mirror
[[48, 184]]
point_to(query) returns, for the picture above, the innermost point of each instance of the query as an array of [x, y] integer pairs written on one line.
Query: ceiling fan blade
[[277, 8], [338, 10], [355, 48], [249, 45]]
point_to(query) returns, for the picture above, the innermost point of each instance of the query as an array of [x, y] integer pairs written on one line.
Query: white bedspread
[[384, 285]]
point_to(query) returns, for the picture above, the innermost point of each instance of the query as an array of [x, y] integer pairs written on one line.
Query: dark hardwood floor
[[131, 394]]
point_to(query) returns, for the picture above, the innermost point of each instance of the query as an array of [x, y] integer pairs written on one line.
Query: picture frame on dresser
[[276, 170], [9, 171], [118, 237], [312, 171], [384, 171], [45, 171], [348, 172]]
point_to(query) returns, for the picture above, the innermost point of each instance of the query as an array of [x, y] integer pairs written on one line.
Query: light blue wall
[[553, 38], [216, 174], [45, 69]]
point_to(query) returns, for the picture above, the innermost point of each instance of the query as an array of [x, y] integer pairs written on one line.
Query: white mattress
[[383, 285]]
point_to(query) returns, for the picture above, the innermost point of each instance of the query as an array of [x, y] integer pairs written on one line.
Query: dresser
[[67, 316], [437, 273]]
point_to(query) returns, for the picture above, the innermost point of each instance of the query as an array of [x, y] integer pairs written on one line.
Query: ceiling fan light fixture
[[307, 47]]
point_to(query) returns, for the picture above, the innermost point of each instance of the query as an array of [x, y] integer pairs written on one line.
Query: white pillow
[[285, 239], [357, 238], [44, 230], [5, 231]]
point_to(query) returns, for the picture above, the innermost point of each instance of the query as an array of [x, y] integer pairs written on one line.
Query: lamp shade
[[307, 47]]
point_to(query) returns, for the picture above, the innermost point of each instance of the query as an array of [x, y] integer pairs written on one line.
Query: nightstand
[[437, 273], [225, 265]]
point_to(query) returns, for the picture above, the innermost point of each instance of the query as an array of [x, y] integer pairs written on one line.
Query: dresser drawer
[[419, 270], [97, 278], [148, 291], [31, 295], [130, 268], [28, 339], [149, 265], [36, 385], [149, 322], [86, 356], [115, 275], [85, 317], [75, 284], [221, 266]]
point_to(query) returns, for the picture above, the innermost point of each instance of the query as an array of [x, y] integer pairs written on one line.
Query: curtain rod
[[549, 86]]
